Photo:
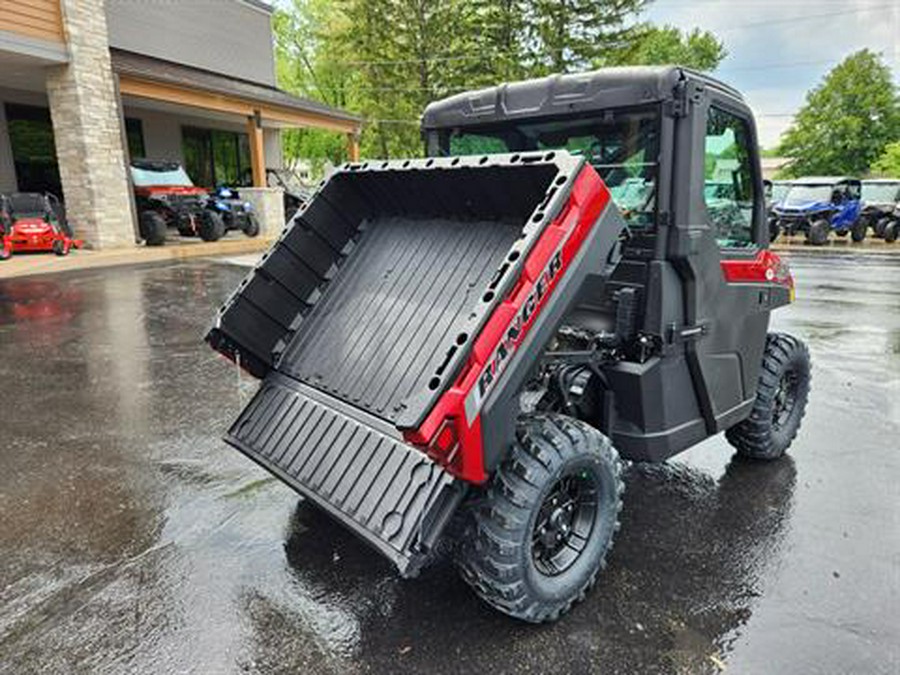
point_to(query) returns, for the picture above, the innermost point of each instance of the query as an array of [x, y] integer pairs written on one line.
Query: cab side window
[[729, 191]]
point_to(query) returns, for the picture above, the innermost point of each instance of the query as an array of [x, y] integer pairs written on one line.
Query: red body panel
[[154, 190], [31, 235], [447, 435]]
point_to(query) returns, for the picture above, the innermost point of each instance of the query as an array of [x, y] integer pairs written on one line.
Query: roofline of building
[[218, 82]]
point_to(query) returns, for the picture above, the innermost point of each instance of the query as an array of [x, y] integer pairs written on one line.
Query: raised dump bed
[[382, 317]]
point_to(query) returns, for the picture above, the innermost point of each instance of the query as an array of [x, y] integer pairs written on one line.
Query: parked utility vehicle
[[236, 213], [34, 222], [166, 197], [475, 341], [817, 206], [880, 197], [296, 194]]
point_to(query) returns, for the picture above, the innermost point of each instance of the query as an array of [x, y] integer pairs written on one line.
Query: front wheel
[[153, 228], [545, 522], [781, 395], [891, 231], [212, 226], [858, 231], [817, 234]]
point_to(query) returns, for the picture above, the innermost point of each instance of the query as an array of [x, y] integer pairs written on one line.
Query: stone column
[[84, 107], [269, 206]]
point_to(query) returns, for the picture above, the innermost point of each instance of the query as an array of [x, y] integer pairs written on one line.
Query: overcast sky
[[778, 49]]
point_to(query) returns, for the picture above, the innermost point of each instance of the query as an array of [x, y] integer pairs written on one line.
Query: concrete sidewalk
[[837, 245], [21, 265]]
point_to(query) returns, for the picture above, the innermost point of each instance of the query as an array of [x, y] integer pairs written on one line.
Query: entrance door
[[33, 149]]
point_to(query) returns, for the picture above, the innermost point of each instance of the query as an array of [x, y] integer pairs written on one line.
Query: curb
[[24, 265]]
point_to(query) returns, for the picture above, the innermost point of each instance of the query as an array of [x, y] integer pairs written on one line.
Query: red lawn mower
[[34, 222]]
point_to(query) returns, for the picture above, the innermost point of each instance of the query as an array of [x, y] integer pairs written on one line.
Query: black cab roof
[[566, 94]]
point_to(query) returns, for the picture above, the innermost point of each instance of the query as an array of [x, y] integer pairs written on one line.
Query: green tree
[[309, 62], [569, 35], [888, 164], [846, 121], [387, 59], [697, 49]]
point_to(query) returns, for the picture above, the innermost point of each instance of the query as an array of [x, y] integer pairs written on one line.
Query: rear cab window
[[622, 145]]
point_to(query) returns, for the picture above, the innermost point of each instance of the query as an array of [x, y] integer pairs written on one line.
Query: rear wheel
[[774, 229], [817, 235], [880, 226], [781, 396], [858, 231], [251, 227], [892, 231], [153, 228], [545, 522], [212, 227]]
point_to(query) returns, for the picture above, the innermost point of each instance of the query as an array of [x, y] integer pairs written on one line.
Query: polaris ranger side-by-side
[[463, 346]]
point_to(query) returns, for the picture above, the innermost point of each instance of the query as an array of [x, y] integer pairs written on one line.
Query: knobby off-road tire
[[212, 226], [817, 235], [153, 228], [880, 225], [251, 227], [891, 231], [858, 231], [527, 555], [781, 395]]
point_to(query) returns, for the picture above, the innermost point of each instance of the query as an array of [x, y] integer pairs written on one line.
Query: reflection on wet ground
[[133, 540]]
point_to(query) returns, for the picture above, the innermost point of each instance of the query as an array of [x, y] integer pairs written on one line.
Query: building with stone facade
[[87, 85]]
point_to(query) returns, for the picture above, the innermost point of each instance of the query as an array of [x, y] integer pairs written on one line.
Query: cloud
[[778, 50]]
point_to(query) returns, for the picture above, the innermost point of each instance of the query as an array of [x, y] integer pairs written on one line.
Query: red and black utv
[[166, 197], [34, 222], [478, 338]]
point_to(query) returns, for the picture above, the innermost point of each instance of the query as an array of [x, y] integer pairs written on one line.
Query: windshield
[[623, 146], [779, 190], [880, 193], [147, 177], [803, 194]]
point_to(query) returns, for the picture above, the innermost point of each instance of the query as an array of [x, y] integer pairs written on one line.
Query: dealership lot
[[133, 540]]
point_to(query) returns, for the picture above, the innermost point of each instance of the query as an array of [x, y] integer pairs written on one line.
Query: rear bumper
[[351, 465]]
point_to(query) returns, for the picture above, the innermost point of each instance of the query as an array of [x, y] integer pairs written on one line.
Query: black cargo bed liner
[[381, 329], [376, 291]]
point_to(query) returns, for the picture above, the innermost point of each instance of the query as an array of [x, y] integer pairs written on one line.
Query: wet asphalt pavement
[[133, 540]]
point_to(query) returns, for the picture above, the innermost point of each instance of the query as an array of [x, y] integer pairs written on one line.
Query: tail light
[[766, 267]]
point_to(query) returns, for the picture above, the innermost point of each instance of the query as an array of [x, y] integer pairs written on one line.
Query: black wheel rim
[[785, 399], [565, 522]]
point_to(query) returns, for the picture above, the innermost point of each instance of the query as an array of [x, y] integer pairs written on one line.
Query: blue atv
[[818, 206], [233, 212]]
